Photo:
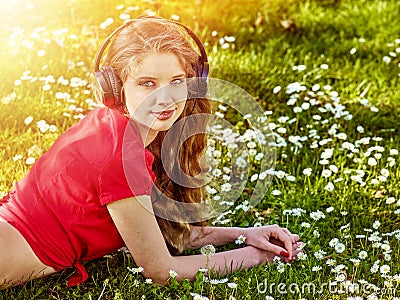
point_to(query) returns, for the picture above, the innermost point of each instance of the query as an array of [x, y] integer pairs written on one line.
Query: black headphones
[[108, 85]]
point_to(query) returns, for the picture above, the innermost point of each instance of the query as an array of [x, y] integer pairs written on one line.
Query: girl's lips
[[163, 115]]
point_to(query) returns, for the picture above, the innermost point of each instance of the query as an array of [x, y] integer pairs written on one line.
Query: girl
[[95, 189]]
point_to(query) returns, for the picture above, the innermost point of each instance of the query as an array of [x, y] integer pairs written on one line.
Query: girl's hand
[[275, 240]]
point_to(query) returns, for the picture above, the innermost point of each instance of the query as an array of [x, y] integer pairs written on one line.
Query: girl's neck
[[145, 133]]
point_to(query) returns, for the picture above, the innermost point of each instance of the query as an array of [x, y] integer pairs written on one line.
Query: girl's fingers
[[286, 239], [280, 241], [276, 242], [296, 237], [297, 248], [293, 236]]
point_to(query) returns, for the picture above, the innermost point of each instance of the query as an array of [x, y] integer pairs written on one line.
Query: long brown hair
[[153, 34]]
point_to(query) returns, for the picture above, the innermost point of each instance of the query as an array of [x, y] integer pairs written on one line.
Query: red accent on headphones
[[108, 85]]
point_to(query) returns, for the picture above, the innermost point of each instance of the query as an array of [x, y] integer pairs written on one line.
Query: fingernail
[[284, 254]]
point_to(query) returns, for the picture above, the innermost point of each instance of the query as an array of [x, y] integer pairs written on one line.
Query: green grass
[[261, 58]]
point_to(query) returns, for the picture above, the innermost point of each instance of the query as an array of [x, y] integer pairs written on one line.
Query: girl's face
[[156, 91]]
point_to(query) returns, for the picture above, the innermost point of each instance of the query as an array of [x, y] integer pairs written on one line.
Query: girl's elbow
[[161, 269], [159, 277], [158, 274]]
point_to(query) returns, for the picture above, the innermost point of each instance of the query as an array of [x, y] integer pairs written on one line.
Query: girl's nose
[[165, 96]]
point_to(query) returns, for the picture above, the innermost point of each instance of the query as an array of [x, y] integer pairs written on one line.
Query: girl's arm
[[217, 236], [138, 227]]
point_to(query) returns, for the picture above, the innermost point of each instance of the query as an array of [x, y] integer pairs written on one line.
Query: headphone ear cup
[[197, 87], [108, 87]]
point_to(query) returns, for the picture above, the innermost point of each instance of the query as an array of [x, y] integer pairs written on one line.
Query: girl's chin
[[155, 125], [161, 127]]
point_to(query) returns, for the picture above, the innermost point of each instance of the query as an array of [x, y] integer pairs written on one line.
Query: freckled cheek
[[136, 98], [179, 94]]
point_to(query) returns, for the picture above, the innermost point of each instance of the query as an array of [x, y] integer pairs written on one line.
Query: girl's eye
[[147, 84], [177, 81]]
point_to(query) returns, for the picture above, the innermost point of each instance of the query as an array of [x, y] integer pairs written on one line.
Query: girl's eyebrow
[[148, 77], [179, 75]]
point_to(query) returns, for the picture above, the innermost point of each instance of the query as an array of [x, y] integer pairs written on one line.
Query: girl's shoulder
[[95, 138], [105, 118], [99, 125]]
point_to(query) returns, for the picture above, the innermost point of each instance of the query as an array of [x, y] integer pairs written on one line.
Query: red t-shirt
[[60, 205]]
